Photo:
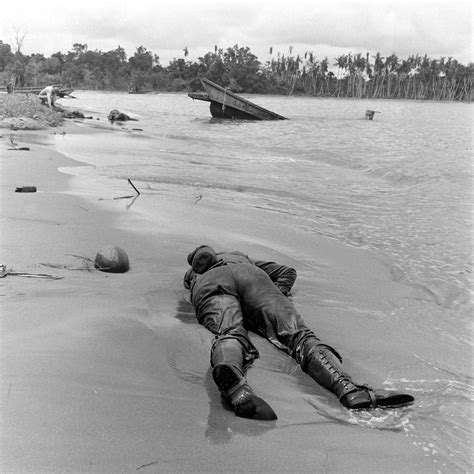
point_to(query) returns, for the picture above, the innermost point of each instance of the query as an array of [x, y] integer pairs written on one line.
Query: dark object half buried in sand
[[26, 189]]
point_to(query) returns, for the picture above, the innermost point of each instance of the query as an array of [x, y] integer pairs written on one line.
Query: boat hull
[[223, 111], [226, 104]]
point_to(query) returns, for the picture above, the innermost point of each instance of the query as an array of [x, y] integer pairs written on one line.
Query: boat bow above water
[[226, 104]]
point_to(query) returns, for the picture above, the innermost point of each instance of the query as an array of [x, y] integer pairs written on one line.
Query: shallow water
[[399, 186]]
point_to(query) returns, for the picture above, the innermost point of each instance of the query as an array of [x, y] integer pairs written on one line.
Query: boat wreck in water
[[226, 104]]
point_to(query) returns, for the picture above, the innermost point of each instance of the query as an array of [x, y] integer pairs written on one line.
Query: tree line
[[351, 75]]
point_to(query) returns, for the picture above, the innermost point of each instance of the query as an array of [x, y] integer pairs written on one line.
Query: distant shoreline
[[359, 75]]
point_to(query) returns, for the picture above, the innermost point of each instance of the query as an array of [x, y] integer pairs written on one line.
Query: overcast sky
[[327, 28]]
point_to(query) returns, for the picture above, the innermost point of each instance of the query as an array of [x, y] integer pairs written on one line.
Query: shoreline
[[109, 373]]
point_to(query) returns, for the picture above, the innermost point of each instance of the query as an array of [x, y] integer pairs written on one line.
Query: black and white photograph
[[236, 237]]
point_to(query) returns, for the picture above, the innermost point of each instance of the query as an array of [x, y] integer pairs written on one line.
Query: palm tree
[[359, 66], [391, 67], [379, 70], [341, 63]]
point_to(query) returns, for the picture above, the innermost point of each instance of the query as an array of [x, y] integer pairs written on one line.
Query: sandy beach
[[109, 372]]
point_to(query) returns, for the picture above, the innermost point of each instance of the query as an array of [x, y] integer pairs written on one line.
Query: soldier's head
[[202, 258]]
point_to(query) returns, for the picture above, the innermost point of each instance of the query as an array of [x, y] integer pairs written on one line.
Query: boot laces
[[341, 379]]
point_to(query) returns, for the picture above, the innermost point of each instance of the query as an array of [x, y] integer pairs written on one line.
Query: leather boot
[[326, 369], [238, 394]]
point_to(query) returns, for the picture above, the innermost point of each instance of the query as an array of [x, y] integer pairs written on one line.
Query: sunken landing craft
[[226, 104]]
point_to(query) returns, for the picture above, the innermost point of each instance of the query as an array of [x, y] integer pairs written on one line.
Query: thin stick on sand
[[4, 272], [128, 197], [133, 186]]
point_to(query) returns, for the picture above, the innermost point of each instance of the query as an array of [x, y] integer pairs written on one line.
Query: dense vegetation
[[22, 107], [355, 75]]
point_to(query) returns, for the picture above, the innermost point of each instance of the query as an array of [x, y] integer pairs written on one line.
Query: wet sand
[[109, 372]]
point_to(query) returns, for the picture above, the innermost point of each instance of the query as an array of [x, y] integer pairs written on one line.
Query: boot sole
[[245, 404], [394, 401], [225, 377]]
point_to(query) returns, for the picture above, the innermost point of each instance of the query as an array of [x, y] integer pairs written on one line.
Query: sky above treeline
[[328, 28]]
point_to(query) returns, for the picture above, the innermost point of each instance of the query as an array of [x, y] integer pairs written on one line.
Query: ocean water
[[399, 186]]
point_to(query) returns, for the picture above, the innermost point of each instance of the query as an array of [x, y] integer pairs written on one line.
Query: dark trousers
[[231, 299]]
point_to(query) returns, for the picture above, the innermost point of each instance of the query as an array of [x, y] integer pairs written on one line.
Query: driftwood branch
[[132, 196], [146, 465], [4, 272], [87, 265], [14, 146], [86, 261], [124, 197], [133, 186], [132, 201]]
